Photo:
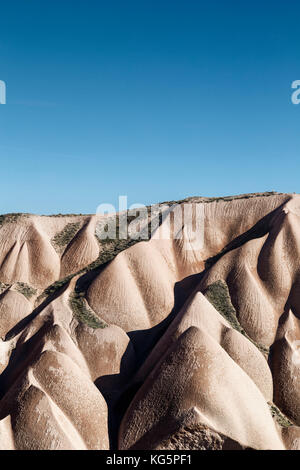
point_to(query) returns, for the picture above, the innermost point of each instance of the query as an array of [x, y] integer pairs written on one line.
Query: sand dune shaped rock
[[151, 345]]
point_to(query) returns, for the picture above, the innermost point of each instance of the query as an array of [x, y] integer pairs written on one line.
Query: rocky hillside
[[152, 344]]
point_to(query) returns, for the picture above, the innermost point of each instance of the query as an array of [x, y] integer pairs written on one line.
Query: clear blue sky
[[156, 100]]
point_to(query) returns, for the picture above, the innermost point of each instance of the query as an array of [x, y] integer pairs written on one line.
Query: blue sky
[[156, 100]]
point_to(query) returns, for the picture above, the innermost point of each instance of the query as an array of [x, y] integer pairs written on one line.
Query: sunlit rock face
[[162, 343]]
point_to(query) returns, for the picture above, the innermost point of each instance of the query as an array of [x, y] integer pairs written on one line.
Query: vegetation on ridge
[[218, 295], [11, 218], [25, 289], [83, 311], [4, 287], [281, 419], [63, 238], [223, 198]]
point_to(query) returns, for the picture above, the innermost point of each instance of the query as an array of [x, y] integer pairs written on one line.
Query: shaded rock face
[[154, 344], [198, 437]]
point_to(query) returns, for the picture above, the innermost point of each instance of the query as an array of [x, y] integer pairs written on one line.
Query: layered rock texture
[[152, 344]]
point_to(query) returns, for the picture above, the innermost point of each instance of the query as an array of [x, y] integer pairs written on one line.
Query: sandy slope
[[166, 345]]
